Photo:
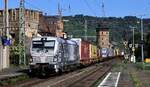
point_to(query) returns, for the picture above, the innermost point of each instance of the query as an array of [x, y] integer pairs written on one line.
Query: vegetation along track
[[73, 79]]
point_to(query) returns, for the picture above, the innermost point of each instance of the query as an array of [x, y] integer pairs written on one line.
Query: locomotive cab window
[[49, 44], [43, 44], [37, 44]]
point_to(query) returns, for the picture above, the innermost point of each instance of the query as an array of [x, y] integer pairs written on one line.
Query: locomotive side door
[[60, 53]]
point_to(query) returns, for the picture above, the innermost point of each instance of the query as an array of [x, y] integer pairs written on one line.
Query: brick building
[[56, 25], [32, 18], [31, 21], [103, 37], [35, 22]]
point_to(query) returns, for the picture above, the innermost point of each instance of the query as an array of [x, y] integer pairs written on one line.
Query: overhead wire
[[69, 6], [90, 8]]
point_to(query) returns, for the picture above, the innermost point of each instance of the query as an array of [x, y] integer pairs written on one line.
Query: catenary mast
[[22, 55]]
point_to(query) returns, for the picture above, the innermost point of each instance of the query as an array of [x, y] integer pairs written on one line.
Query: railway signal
[[125, 43]]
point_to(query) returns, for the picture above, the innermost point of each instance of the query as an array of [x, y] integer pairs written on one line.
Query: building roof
[[25, 9], [102, 29]]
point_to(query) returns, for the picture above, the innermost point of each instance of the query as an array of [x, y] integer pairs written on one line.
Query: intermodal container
[[85, 51], [111, 53], [93, 53], [99, 54]]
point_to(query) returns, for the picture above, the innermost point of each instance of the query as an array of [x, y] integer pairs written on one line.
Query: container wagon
[[104, 52], [84, 51], [93, 53], [110, 53]]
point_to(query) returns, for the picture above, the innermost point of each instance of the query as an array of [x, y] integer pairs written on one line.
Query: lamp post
[[142, 53], [142, 28], [132, 46]]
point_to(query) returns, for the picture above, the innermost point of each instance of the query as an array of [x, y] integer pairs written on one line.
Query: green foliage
[[119, 27], [147, 66], [14, 81], [14, 50], [136, 80], [141, 66], [14, 55]]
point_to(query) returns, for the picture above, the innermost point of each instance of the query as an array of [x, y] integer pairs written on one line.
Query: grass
[[119, 67], [14, 81], [137, 82], [145, 66]]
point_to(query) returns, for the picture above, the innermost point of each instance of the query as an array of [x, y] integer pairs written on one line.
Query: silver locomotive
[[52, 54]]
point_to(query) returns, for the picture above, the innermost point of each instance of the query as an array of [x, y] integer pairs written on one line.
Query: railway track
[[90, 78], [85, 77], [36, 82]]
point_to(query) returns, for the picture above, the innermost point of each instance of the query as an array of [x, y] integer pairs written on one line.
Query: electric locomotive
[[53, 54]]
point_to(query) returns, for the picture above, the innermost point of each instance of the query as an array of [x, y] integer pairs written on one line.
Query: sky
[[113, 8]]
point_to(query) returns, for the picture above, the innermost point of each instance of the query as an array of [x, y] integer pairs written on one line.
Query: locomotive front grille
[[43, 59], [49, 59], [36, 59]]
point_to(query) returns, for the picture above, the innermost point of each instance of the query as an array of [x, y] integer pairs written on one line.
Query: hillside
[[119, 27]]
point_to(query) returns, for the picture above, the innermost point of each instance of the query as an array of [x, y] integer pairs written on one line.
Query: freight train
[[53, 54], [106, 52]]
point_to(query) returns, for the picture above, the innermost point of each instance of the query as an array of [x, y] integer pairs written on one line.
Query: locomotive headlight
[[31, 60], [55, 58]]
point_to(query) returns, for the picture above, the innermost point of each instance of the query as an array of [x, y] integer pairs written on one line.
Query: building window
[[14, 15], [28, 25], [102, 43]]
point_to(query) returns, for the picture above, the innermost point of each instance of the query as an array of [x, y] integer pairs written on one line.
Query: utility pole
[[133, 46], [103, 9], [22, 55], [6, 19], [5, 32], [59, 11], [60, 25], [85, 29]]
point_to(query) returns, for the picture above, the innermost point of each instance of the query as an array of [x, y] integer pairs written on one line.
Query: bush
[[14, 55]]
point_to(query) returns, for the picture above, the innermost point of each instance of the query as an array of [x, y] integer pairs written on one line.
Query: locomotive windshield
[[43, 44], [49, 44], [37, 44]]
